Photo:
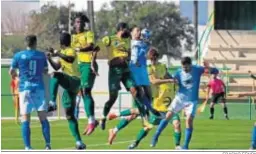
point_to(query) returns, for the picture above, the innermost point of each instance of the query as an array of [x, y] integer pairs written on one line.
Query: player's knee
[[134, 111], [169, 115], [42, 115], [113, 96], [55, 74], [69, 114], [133, 91], [189, 121], [211, 105], [176, 125], [147, 128], [87, 91], [25, 117]]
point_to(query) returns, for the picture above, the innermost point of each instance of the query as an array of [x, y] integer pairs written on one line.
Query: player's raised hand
[[96, 49], [77, 49]]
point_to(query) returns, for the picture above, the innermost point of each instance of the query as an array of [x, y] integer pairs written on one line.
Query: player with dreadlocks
[[83, 43]]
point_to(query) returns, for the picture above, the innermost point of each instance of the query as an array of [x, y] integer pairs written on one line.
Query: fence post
[[250, 105]]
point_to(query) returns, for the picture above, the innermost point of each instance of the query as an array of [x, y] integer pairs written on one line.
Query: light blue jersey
[[138, 63], [139, 51], [189, 82], [31, 65]]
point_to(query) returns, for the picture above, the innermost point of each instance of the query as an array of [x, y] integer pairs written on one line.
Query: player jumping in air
[[217, 89], [118, 47], [83, 43], [188, 78], [160, 80], [138, 65], [31, 64], [253, 93], [69, 80]]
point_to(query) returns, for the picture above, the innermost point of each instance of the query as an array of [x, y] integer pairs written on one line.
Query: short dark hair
[[122, 25], [31, 40], [134, 26], [82, 17], [186, 60], [65, 39], [153, 52]]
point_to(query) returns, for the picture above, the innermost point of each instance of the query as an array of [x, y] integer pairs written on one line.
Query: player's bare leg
[[212, 110], [45, 128], [108, 105], [127, 112], [124, 122]]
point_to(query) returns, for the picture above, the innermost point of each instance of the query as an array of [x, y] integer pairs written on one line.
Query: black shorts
[[216, 97]]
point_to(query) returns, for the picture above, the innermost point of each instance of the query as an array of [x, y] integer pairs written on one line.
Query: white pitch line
[[104, 144]]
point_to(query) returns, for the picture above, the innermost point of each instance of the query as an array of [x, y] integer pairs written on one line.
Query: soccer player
[[159, 79], [31, 64], [83, 43], [138, 64], [15, 92], [217, 89], [69, 80], [118, 47], [253, 93], [188, 78]]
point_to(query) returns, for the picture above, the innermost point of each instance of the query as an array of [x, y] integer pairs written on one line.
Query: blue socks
[[254, 137], [25, 129], [46, 131], [188, 135], [160, 128]]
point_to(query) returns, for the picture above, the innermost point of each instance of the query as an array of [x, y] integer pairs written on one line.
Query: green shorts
[[117, 75], [156, 121], [70, 93], [87, 76]]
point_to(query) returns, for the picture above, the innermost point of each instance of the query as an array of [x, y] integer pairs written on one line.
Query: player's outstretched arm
[[67, 58], [88, 48], [154, 80]]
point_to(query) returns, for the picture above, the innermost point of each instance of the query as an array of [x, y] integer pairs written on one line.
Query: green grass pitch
[[208, 134]]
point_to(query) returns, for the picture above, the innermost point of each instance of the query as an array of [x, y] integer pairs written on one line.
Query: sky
[[82, 4], [185, 6]]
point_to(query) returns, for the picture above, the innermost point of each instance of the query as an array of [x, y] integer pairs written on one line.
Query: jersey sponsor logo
[[187, 80], [23, 56]]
